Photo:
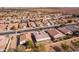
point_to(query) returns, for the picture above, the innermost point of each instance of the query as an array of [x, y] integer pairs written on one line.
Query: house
[[22, 25], [65, 30], [3, 42], [76, 26], [13, 26], [33, 24], [41, 36], [39, 24], [25, 37], [72, 28], [54, 33]]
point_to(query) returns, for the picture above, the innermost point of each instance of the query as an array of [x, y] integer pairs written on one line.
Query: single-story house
[[41, 36], [65, 31], [54, 33], [25, 37]]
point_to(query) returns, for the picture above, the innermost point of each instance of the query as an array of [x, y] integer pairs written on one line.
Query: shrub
[[41, 47], [65, 47], [20, 48], [76, 43]]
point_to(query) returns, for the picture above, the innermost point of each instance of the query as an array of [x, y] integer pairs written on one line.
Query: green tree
[[30, 45]]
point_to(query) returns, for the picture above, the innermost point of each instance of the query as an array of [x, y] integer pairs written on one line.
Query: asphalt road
[[27, 30]]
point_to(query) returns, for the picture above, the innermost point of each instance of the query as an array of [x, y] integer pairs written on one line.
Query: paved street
[[28, 30]]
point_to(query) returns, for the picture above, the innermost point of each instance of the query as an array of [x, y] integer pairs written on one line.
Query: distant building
[[66, 16], [22, 25], [33, 24], [13, 26], [3, 27]]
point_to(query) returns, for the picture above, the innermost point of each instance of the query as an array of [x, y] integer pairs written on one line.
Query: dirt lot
[[49, 46]]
